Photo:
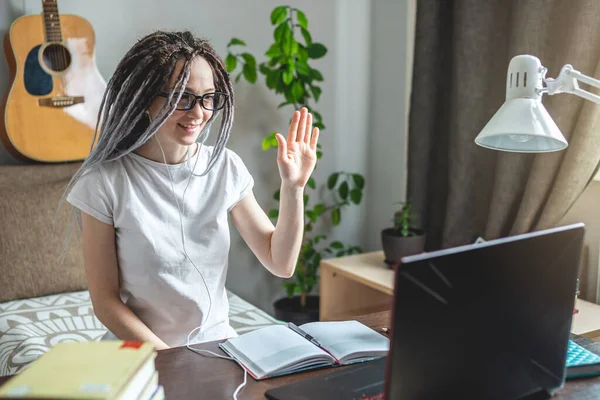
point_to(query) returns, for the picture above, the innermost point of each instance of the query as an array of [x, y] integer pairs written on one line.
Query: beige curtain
[[462, 51]]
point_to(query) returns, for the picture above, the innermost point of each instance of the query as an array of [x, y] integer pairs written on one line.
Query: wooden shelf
[[363, 284], [367, 268], [587, 321]]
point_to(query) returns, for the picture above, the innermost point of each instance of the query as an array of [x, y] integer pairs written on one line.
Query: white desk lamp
[[522, 124]]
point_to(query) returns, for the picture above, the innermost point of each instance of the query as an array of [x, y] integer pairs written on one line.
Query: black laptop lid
[[485, 321]]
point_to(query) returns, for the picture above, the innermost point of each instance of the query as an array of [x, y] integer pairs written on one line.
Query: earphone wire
[[197, 351]]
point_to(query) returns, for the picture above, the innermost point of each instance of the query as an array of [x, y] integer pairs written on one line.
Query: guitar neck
[[51, 21]]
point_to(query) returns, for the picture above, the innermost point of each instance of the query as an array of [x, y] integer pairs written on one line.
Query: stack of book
[[91, 370]]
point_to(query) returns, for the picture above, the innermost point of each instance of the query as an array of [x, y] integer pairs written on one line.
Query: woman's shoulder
[[227, 159]]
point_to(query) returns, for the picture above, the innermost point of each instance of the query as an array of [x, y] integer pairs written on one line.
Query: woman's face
[[183, 127]]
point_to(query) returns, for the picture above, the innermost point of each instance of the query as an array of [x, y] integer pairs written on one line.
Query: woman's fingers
[[314, 139], [308, 129], [302, 125], [293, 127]]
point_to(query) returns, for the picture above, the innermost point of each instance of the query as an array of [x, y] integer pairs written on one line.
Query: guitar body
[[51, 106]]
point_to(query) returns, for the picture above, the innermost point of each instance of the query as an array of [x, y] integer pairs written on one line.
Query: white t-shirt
[[157, 281]]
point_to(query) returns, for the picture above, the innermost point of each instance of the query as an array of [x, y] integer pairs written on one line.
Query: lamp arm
[[566, 82]]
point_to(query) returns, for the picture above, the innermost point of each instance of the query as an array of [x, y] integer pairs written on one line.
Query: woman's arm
[[277, 248], [101, 267]]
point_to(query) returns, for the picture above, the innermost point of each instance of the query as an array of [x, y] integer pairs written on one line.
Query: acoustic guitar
[[55, 90]]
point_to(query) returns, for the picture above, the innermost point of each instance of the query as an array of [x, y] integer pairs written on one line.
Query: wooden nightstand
[[363, 284]]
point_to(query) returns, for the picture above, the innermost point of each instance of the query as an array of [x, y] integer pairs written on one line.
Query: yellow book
[[90, 370]]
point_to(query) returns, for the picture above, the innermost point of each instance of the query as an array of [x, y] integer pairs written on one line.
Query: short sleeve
[[241, 177], [89, 194]]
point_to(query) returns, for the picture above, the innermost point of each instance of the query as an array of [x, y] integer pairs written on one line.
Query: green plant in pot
[[404, 239], [288, 73]]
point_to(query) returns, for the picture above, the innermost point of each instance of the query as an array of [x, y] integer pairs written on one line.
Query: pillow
[[33, 234], [30, 327]]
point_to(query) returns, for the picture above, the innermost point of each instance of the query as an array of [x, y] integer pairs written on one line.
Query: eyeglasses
[[209, 101]]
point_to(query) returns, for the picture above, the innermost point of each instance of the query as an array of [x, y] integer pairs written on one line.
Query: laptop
[[482, 321]]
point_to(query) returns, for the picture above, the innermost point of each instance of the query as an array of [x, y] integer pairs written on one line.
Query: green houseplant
[[404, 238], [289, 73]]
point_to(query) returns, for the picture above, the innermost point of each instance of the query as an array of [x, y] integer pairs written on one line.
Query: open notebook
[[278, 350]]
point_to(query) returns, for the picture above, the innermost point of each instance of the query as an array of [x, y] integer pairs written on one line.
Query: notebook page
[[270, 350], [348, 340]]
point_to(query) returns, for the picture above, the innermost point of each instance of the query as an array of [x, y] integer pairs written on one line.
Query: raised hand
[[297, 156]]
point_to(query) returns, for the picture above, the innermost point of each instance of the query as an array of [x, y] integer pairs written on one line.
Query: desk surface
[[185, 374]]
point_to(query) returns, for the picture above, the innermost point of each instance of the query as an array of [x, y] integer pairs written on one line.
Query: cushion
[[30, 327], [33, 235]]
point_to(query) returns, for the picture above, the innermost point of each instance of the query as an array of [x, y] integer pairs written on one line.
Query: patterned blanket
[[29, 327]]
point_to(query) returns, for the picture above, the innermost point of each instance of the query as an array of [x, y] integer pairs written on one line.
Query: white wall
[[363, 100], [392, 39]]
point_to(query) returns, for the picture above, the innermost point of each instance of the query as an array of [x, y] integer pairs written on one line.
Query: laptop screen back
[[489, 320]]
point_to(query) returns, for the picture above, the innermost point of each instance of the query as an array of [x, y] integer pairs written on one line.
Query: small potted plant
[[404, 239]]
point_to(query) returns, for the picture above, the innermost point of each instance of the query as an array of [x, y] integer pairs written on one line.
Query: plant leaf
[[278, 15], [356, 195], [266, 143], [343, 190], [277, 194], [235, 41], [289, 288], [249, 59], [230, 62], [273, 213], [249, 73], [303, 68], [297, 90], [359, 180], [319, 208], [317, 50], [302, 53], [264, 69], [272, 78], [311, 183], [280, 32], [274, 51], [336, 216], [316, 75], [288, 77], [332, 180], [302, 19], [316, 91], [307, 37]]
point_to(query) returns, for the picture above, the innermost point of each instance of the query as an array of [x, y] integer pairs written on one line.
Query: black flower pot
[[396, 246], [289, 310]]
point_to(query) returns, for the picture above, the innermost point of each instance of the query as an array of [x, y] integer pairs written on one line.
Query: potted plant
[[404, 239], [288, 72]]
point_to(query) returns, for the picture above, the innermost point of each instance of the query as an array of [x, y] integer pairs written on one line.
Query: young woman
[[155, 200]]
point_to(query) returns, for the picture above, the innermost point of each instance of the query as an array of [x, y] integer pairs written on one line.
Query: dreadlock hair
[[123, 125]]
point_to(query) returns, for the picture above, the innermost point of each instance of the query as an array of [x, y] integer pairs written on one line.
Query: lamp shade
[[522, 125]]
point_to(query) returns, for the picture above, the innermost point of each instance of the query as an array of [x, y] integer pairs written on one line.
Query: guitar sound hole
[[56, 57]]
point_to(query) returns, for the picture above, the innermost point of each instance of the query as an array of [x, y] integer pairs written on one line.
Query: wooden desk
[[362, 284], [187, 375]]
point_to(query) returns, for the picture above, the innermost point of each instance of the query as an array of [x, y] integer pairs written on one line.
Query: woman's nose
[[197, 110]]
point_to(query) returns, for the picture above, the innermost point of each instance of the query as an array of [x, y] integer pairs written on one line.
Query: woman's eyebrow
[[189, 90]]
